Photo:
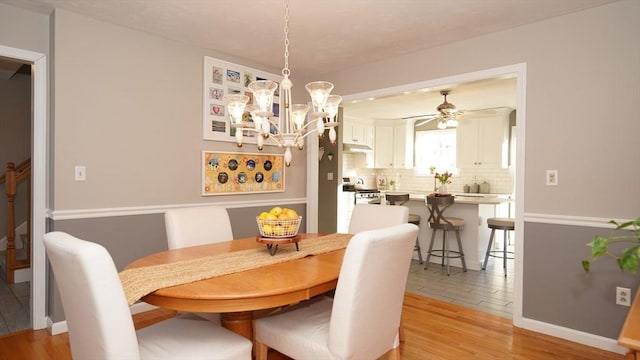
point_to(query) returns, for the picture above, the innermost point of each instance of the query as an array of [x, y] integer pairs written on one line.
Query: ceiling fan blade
[[423, 116], [486, 111], [425, 121]]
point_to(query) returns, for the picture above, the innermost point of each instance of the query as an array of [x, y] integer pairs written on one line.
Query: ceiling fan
[[447, 116]]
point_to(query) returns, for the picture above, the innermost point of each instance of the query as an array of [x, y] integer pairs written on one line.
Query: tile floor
[[14, 306], [487, 291]]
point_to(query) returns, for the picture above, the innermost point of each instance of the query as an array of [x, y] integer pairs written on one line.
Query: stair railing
[[12, 177]]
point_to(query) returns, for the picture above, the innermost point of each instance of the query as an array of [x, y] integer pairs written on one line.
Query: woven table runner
[[141, 281]]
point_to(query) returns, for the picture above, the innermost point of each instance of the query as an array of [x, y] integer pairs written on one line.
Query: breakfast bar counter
[[475, 209]]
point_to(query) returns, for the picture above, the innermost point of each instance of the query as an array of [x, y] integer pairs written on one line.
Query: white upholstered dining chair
[[99, 320], [361, 320], [372, 216], [191, 226]]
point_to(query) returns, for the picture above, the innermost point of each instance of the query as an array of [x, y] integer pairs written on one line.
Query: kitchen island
[[475, 209]]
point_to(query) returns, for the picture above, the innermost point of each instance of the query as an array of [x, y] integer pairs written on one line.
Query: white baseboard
[[579, 337], [60, 327]]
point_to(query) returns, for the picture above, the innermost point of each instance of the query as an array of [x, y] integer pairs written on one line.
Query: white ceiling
[[325, 35]]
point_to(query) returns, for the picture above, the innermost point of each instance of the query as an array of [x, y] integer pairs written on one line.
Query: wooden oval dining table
[[238, 295]]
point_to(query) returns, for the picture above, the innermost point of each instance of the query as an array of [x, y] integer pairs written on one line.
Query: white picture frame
[[221, 78]]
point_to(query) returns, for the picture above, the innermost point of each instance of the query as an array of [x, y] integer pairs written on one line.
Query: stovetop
[[367, 191]]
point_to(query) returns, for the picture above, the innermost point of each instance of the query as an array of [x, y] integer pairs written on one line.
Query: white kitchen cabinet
[[391, 143], [383, 150], [357, 133], [482, 142], [402, 146]]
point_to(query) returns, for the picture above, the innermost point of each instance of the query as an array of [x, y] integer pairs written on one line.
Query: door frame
[[39, 146]]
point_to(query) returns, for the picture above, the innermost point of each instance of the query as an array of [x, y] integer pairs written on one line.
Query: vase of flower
[[444, 179]]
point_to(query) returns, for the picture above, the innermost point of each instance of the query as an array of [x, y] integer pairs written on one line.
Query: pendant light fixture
[[295, 121]]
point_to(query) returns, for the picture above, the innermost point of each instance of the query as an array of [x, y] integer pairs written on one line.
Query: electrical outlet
[[552, 177], [623, 296]]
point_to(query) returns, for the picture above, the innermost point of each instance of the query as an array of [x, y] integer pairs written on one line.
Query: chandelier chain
[[285, 70]]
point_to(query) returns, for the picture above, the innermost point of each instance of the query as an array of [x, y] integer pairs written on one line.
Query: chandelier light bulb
[[319, 92], [442, 125], [299, 112], [263, 91], [331, 107], [235, 106]]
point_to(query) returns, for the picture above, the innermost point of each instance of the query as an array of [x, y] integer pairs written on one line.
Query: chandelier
[[290, 128]]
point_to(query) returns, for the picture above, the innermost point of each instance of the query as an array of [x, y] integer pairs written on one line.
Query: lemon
[[263, 215], [278, 230], [271, 216], [292, 214], [276, 210], [267, 229]]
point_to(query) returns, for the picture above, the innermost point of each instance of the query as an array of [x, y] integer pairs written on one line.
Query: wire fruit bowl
[[278, 228]]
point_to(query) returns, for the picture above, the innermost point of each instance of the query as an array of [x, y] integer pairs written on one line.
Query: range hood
[[356, 148]]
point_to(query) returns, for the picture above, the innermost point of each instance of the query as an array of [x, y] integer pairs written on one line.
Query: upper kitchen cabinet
[[391, 142], [482, 141], [356, 133]]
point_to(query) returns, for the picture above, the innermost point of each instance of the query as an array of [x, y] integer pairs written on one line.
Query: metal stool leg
[[486, 257], [445, 249], [417, 248], [464, 263], [504, 253], [433, 238]]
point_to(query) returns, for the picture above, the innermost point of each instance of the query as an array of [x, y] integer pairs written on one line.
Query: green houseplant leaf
[[629, 258]]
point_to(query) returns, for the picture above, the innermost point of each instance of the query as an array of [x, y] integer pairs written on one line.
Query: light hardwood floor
[[434, 329]]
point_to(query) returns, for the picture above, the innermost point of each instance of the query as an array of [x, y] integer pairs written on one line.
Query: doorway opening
[[517, 72], [39, 150]]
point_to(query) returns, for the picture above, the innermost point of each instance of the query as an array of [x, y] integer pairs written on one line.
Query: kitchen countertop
[[460, 198]]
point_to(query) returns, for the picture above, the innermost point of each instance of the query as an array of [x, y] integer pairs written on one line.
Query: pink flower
[[444, 178]]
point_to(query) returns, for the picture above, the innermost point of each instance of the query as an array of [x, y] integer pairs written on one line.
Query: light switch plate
[[80, 173], [330, 176], [552, 177]]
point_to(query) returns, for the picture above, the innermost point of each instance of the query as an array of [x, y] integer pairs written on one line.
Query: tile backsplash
[[501, 181]]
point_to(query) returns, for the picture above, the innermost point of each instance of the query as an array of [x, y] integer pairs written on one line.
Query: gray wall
[[328, 189], [557, 290], [578, 66]]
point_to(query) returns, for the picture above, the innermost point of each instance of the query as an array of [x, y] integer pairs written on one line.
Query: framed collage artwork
[[225, 173], [222, 78]]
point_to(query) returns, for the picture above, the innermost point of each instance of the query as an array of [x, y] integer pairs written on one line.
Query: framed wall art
[[222, 78], [226, 173]]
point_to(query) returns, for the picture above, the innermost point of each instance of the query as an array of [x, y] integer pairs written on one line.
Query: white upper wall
[[583, 73]]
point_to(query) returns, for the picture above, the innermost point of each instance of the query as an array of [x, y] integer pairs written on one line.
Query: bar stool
[[400, 199], [504, 224], [437, 221]]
